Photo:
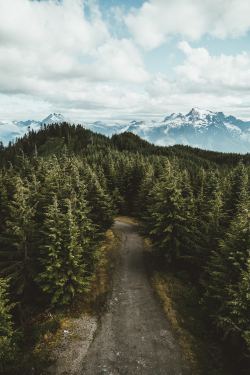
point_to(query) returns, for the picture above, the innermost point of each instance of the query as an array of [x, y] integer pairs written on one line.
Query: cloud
[[208, 81], [65, 56], [58, 49], [120, 60], [51, 25], [224, 73], [156, 20]]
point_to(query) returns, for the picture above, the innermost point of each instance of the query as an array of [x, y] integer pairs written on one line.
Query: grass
[[181, 306]]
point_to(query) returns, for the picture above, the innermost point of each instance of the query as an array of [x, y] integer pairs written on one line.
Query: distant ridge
[[198, 128]]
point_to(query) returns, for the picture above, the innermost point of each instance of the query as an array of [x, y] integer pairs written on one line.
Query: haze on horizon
[[114, 59]]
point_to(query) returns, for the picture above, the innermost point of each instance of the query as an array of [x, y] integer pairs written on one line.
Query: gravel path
[[134, 336]]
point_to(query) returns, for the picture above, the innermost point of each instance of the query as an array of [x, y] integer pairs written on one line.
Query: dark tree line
[[59, 191], [202, 228]]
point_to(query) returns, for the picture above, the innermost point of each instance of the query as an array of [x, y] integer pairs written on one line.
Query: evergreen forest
[[60, 190]]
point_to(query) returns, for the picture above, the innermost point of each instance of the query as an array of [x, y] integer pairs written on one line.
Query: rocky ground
[[133, 336]]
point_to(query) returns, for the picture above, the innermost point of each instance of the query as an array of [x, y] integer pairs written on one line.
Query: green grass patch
[[181, 305]]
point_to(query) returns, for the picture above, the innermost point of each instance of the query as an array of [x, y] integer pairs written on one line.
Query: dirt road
[[134, 336]]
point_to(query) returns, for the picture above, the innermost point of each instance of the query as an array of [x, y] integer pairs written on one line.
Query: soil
[[74, 344], [134, 336]]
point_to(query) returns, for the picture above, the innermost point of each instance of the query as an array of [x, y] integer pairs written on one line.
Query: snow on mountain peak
[[199, 114], [173, 117], [53, 118], [196, 116], [199, 127]]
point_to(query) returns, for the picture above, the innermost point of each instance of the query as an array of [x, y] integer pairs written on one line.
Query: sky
[[118, 60]]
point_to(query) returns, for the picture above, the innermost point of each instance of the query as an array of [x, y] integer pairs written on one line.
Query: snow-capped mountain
[[9, 131], [198, 128], [53, 118], [106, 128]]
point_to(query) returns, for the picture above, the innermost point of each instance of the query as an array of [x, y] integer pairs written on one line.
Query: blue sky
[[113, 59]]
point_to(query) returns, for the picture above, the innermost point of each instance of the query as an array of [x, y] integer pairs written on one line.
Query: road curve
[[134, 336]]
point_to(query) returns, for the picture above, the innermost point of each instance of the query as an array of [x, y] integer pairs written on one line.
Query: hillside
[[52, 138], [61, 188], [198, 128]]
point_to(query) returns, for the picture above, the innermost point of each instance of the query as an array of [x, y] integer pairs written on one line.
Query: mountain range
[[198, 128]]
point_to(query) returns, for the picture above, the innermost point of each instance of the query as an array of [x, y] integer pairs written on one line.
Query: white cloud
[[215, 82], [63, 56], [51, 25], [204, 72], [51, 50], [156, 20], [16, 107], [120, 60]]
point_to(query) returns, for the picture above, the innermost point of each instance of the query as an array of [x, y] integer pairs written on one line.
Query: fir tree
[[227, 270], [74, 280], [7, 346], [238, 321], [100, 204], [237, 191], [51, 253], [18, 252], [168, 219]]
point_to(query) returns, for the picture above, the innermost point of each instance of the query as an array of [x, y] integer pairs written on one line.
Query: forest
[[60, 189]]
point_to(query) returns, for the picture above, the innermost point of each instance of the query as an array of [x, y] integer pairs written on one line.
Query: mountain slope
[[198, 128], [53, 118], [9, 131], [55, 138], [203, 129]]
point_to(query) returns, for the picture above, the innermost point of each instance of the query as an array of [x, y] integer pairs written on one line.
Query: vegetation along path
[[134, 336]]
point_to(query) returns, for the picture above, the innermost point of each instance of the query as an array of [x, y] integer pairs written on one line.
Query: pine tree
[[74, 280], [144, 194], [7, 345], [18, 253], [118, 201], [209, 212], [238, 320], [169, 230], [190, 248], [237, 191], [87, 229], [100, 204], [3, 201], [228, 273], [51, 275]]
